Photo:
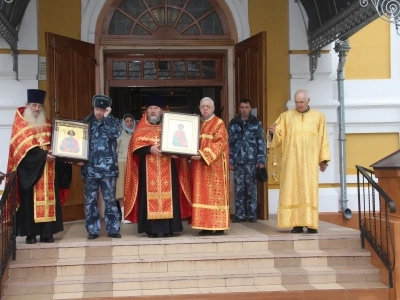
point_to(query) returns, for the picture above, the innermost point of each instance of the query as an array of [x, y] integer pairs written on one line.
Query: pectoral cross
[[41, 140], [156, 140]]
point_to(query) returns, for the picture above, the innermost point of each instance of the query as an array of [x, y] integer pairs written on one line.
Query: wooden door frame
[[227, 83], [253, 53]]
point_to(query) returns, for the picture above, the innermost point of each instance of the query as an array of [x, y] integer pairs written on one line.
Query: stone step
[[184, 245], [370, 291], [190, 262], [251, 258], [192, 279]]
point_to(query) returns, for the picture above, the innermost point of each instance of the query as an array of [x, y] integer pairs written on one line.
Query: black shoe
[[219, 232], [253, 220], [206, 232], [238, 220], [297, 229], [31, 239], [152, 235], [312, 230], [46, 240], [168, 234], [93, 236], [114, 235]]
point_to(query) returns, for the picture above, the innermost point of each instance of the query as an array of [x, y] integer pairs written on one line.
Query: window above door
[[150, 70], [166, 20]]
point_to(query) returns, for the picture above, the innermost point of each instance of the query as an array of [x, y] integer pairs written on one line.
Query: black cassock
[[29, 171], [165, 226]]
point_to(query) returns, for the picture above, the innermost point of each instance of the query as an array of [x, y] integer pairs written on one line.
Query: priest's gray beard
[[38, 120], [154, 119]]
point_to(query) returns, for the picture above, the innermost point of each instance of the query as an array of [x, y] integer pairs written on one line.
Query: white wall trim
[[90, 10]]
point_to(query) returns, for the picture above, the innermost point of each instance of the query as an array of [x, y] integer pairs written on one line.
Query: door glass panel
[[208, 69], [184, 22], [193, 69], [135, 70], [132, 7], [140, 30], [149, 69], [120, 24], [119, 70], [172, 16], [152, 3], [192, 30], [211, 24], [179, 69], [164, 70], [179, 3], [198, 8], [159, 15], [147, 21]]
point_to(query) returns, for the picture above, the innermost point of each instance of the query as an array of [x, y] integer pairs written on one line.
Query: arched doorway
[[127, 67]]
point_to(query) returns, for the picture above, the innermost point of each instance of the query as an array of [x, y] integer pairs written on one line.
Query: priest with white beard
[[38, 202]]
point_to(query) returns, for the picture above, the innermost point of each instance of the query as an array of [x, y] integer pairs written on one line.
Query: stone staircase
[[245, 260]]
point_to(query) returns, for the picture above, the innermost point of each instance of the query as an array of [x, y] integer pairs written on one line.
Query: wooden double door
[[71, 86]]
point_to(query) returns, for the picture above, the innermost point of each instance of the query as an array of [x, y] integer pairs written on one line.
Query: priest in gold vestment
[[210, 174], [301, 132]]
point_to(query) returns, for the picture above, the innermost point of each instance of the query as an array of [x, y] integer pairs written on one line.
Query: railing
[[7, 225], [374, 206]]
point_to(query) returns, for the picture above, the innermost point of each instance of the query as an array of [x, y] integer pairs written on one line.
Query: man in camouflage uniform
[[101, 170], [247, 149]]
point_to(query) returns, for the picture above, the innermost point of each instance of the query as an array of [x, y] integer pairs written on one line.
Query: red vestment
[[159, 180], [25, 137], [211, 178]]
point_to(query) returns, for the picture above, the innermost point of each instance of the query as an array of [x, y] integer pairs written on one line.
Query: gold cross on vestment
[[156, 140], [41, 140]]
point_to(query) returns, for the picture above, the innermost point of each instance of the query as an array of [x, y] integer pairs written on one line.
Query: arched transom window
[[166, 19]]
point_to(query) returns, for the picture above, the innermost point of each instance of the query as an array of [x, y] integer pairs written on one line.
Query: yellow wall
[[272, 16], [369, 57], [61, 17], [365, 149]]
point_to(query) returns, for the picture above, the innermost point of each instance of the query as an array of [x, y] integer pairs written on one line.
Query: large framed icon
[[180, 133], [70, 140]]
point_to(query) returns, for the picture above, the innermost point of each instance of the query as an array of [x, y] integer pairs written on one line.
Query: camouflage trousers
[[92, 215], [245, 185]]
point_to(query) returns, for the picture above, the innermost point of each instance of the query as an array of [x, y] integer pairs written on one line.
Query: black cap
[[101, 101], [155, 100], [36, 96]]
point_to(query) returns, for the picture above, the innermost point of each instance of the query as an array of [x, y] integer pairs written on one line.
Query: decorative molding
[[91, 10], [187, 43], [313, 56], [341, 26], [388, 10], [240, 13]]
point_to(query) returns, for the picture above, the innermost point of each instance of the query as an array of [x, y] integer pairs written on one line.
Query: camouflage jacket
[[246, 141], [103, 157]]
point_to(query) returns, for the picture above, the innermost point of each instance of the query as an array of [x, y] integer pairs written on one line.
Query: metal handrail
[[374, 224], [8, 224]]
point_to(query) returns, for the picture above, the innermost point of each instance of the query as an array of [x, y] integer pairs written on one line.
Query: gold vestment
[[304, 144]]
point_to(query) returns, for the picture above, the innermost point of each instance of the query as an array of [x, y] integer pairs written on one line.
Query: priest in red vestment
[[158, 188], [38, 201], [211, 174]]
